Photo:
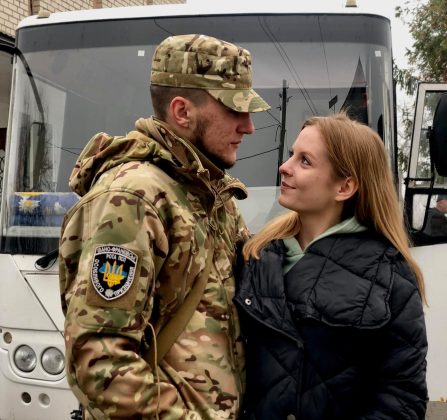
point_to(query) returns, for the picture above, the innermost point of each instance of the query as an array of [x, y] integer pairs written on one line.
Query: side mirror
[[438, 137]]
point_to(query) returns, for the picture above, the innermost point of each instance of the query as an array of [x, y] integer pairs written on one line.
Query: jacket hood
[[151, 141]]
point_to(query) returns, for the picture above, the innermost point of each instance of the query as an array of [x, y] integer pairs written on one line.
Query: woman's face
[[309, 185]]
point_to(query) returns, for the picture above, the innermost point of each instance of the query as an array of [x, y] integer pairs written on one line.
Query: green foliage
[[404, 137], [405, 79], [428, 55]]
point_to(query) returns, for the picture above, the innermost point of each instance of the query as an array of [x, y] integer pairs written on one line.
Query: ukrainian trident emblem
[[113, 270]]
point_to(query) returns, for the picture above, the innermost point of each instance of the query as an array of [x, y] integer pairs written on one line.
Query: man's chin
[[225, 166], [221, 163]]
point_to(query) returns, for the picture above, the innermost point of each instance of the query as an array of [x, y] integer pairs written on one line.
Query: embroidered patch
[[113, 271]]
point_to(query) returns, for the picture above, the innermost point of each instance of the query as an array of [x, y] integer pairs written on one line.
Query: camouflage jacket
[[130, 250]]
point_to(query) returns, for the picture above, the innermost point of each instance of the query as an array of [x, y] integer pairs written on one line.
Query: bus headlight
[[25, 358], [53, 361]]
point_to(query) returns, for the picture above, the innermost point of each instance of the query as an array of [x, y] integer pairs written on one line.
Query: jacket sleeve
[[401, 390], [103, 337]]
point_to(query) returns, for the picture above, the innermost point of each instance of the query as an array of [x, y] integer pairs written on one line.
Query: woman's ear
[[347, 188]]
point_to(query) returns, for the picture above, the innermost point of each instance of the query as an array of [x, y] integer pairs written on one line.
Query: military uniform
[[130, 251]]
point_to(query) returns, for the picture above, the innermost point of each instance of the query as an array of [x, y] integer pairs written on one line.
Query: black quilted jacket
[[341, 336]]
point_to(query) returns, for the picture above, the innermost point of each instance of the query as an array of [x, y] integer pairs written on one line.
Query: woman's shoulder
[[365, 242], [365, 246], [347, 279]]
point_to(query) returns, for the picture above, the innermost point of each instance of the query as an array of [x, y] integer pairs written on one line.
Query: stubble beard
[[197, 140]]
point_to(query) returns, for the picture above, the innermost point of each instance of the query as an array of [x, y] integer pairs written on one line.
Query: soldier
[[157, 208]]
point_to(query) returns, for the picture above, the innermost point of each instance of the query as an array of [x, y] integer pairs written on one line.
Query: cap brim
[[240, 100]]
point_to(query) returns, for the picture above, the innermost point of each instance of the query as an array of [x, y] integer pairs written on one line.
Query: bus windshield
[[75, 79]]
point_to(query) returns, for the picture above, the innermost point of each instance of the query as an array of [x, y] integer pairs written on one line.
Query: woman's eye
[[305, 161]]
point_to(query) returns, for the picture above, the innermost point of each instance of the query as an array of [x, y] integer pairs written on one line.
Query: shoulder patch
[[113, 271]]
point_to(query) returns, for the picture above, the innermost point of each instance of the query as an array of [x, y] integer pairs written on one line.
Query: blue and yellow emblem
[[113, 270]]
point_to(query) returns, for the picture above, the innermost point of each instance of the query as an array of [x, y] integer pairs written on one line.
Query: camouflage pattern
[[158, 200], [203, 62]]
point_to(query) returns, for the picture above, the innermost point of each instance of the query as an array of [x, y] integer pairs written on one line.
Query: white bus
[[77, 73]]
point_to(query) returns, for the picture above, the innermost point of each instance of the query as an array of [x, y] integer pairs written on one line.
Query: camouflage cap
[[204, 62]]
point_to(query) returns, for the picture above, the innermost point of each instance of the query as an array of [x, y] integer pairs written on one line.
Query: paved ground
[[436, 411]]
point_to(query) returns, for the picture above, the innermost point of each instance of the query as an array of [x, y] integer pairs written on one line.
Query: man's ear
[[347, 188], [180, 112]]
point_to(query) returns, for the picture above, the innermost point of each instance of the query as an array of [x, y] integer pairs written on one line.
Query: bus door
[[426, 183], [426, 211]]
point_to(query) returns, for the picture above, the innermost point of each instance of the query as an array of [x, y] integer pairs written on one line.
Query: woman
[[330, 298]]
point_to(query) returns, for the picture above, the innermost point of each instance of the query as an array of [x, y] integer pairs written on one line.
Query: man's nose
[[246, 125]]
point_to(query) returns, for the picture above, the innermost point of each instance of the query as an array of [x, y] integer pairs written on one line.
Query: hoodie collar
[[294, 252]]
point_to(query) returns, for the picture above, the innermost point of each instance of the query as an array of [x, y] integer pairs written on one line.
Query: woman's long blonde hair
[[354, 150]]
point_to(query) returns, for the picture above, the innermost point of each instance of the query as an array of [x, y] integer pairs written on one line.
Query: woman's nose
[[284, 168]]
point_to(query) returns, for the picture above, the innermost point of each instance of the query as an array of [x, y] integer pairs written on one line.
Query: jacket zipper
[[297, 341]]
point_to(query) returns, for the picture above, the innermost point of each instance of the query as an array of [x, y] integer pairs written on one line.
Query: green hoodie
[[295, 252]]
